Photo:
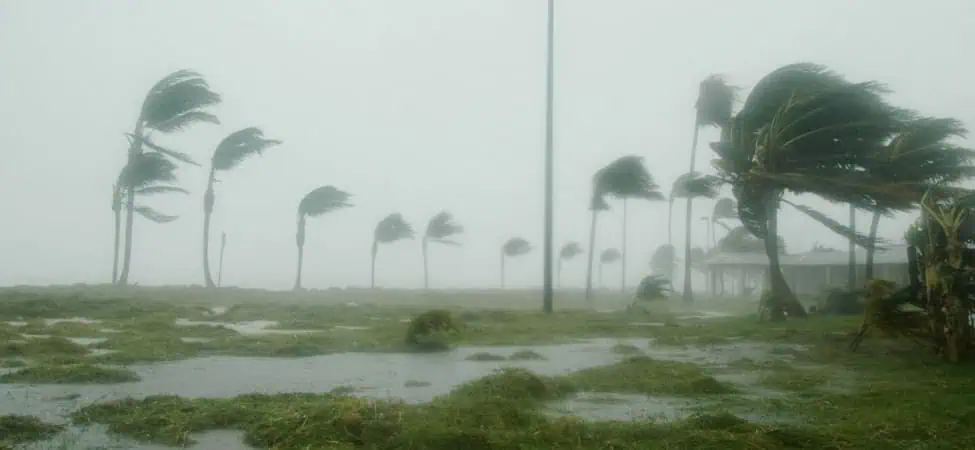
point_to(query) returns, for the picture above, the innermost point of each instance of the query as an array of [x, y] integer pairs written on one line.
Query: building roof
[[893, 254]]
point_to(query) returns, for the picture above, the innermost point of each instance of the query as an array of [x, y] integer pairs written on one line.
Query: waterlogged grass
[[70, 374], [644, 375], [19, 429]]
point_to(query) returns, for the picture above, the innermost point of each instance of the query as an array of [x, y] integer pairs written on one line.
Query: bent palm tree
[[921, 153], [715, 101], [315, 203], [569, 251], [514, 247], [391, 229], [231, 151], [149, 174], [608, 256], [174, 103], [689, 185], [440, 229], [625, 177], [805, 129]]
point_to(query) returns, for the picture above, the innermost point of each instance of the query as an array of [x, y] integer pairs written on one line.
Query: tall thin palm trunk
[[781, 291], [372, 276], [426, 271], [592, 253], [874, 224], [223, 245], [118, 231], [208, 199], [623, 253], [851, 280], [135, 149], [300, 241], [688, 294]]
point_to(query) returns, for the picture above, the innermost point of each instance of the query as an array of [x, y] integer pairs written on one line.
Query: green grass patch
[[70, 374], [19, 429], [644, 375]]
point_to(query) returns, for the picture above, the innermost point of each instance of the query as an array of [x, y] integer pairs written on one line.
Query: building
[[807, 273]]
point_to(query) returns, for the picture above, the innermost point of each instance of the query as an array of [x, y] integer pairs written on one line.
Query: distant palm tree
[[231, 151], [690, 185], [724, 209], [514, 247], [663, 261], [440, 229], [315, 203], [625, 177], [391, 229], [608, 256], [150, 173], [569, 251], [174, 103], [715, 102]]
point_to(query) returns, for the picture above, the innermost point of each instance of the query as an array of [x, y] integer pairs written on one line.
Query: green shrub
[[433, 330]]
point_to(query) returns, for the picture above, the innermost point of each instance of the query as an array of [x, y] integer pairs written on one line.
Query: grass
[[19, 429], [886, 396], [70, 374]]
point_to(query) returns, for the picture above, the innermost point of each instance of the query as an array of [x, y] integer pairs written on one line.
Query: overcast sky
[[413, 107]]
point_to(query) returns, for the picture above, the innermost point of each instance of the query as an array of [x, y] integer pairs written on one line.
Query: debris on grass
[[70, 374]]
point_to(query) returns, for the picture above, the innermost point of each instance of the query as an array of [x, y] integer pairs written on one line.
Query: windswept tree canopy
[[694, 185], [715, 101], [653, 287], [725, 208], [609, 256], [570, 250], [240, 145], [393, 228], [149, 174], [740, 240], [516, 246], [178, 101], [441, 227], [663, 260], [626, 177], [322, 200]]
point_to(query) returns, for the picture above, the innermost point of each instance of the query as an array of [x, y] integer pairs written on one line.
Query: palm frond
[[446, 242], [922, 152], [177, 101], [516, 246], [609, 256], [752, 208], [154, 215], [322, 200], [570, 250], [715, 101], [859, 239], [598, 203], [179, 156], [147, 169], [160, 189], [240, 145], [627, 177], [695, 185], [393, 228], [741, 240], [442, 225]]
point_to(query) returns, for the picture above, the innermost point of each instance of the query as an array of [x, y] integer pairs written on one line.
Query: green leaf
[[859, 239], [179, 156], [442, 225], [177, 101]]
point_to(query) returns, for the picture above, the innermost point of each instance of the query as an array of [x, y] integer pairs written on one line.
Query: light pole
[[547, 291]]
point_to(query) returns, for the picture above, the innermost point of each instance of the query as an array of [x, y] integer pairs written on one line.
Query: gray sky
[[412, 106]]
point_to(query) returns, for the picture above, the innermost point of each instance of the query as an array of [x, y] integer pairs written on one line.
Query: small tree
[[663, 261], [317, 202], [569, 251], [514, 247], [391, 229], [608, 256], [440, 229], [231, 151]]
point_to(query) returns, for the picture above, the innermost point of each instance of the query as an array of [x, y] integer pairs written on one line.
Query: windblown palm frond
[[626, 177], [441, 227], [715, 101], [148, 169], [570, 250], [859, 239], [154, 215], [609, 256], [322, 200], [695, 185], [240, 145], [724, 209], [178, 101], [144, 141], [516, 246], [663, 260], [393, 228], [922, 153]]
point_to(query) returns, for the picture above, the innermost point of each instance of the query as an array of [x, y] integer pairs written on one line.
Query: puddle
[[85, 341], [195, 340], [81, 320], [352, 327], [625, 407], [253, 327], [17, 323], [36, 336]]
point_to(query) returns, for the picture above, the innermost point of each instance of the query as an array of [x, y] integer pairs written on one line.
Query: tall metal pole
[[547, 291]]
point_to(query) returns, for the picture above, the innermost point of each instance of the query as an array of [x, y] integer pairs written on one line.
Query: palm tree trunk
[[300, 241], [426, 272], [623, 252], [502, 268], [375, 251], [781, 292], [223, 245], [851, 277], [592, 252], [135, 149], [208, 199], [118, 231], [688, 294], [874, 223]]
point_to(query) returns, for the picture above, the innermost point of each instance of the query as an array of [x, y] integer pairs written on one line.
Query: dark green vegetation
[[17, 429], [70, 374]]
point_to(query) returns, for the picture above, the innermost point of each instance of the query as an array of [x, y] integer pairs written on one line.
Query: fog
[[413, 107]]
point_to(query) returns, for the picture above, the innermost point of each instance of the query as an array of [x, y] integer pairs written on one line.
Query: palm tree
[[724, 209], [223, 245], [663, 260], [921, 153], [149, 174], [689, 185], [805, 129], [569, 251], [514, 247], [315, 203], [391, 229], [174, 103], [625, 177], [440, 229], [231, 151], [715, 100], [608, 256]]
